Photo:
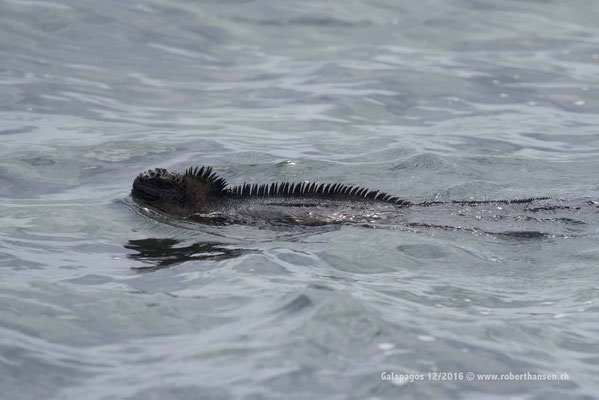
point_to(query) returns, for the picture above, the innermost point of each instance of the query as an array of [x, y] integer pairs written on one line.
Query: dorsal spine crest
[[324, 190]]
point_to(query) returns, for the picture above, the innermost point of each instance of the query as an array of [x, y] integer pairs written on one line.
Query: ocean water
[[103, 299]]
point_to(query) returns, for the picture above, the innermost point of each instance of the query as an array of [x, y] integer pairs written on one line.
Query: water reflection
[[164, 253]]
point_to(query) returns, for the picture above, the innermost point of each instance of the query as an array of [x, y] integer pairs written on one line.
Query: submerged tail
[[477, 202]]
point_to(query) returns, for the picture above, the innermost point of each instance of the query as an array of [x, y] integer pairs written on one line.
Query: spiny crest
[[482, 202], [205, 175], [303, 189]]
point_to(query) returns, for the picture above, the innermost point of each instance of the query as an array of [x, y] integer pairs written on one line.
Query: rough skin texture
[[201, 195]]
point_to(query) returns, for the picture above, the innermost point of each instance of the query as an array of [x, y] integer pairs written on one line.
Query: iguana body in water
[[201, 195]]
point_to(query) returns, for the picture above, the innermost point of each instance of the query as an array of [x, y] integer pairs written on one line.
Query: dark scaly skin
[[200, 195]]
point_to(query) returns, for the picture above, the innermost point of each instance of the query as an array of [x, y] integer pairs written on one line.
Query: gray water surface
[[103, 299]]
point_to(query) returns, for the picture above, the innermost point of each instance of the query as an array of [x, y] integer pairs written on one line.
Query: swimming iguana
[[201, 195]]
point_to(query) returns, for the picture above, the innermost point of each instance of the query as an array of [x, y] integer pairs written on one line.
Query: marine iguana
[[201, 195]]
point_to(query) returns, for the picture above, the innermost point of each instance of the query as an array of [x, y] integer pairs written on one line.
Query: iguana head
[[178, 194]]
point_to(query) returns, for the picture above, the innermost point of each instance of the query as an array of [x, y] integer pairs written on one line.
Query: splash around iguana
[[199, 194]]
